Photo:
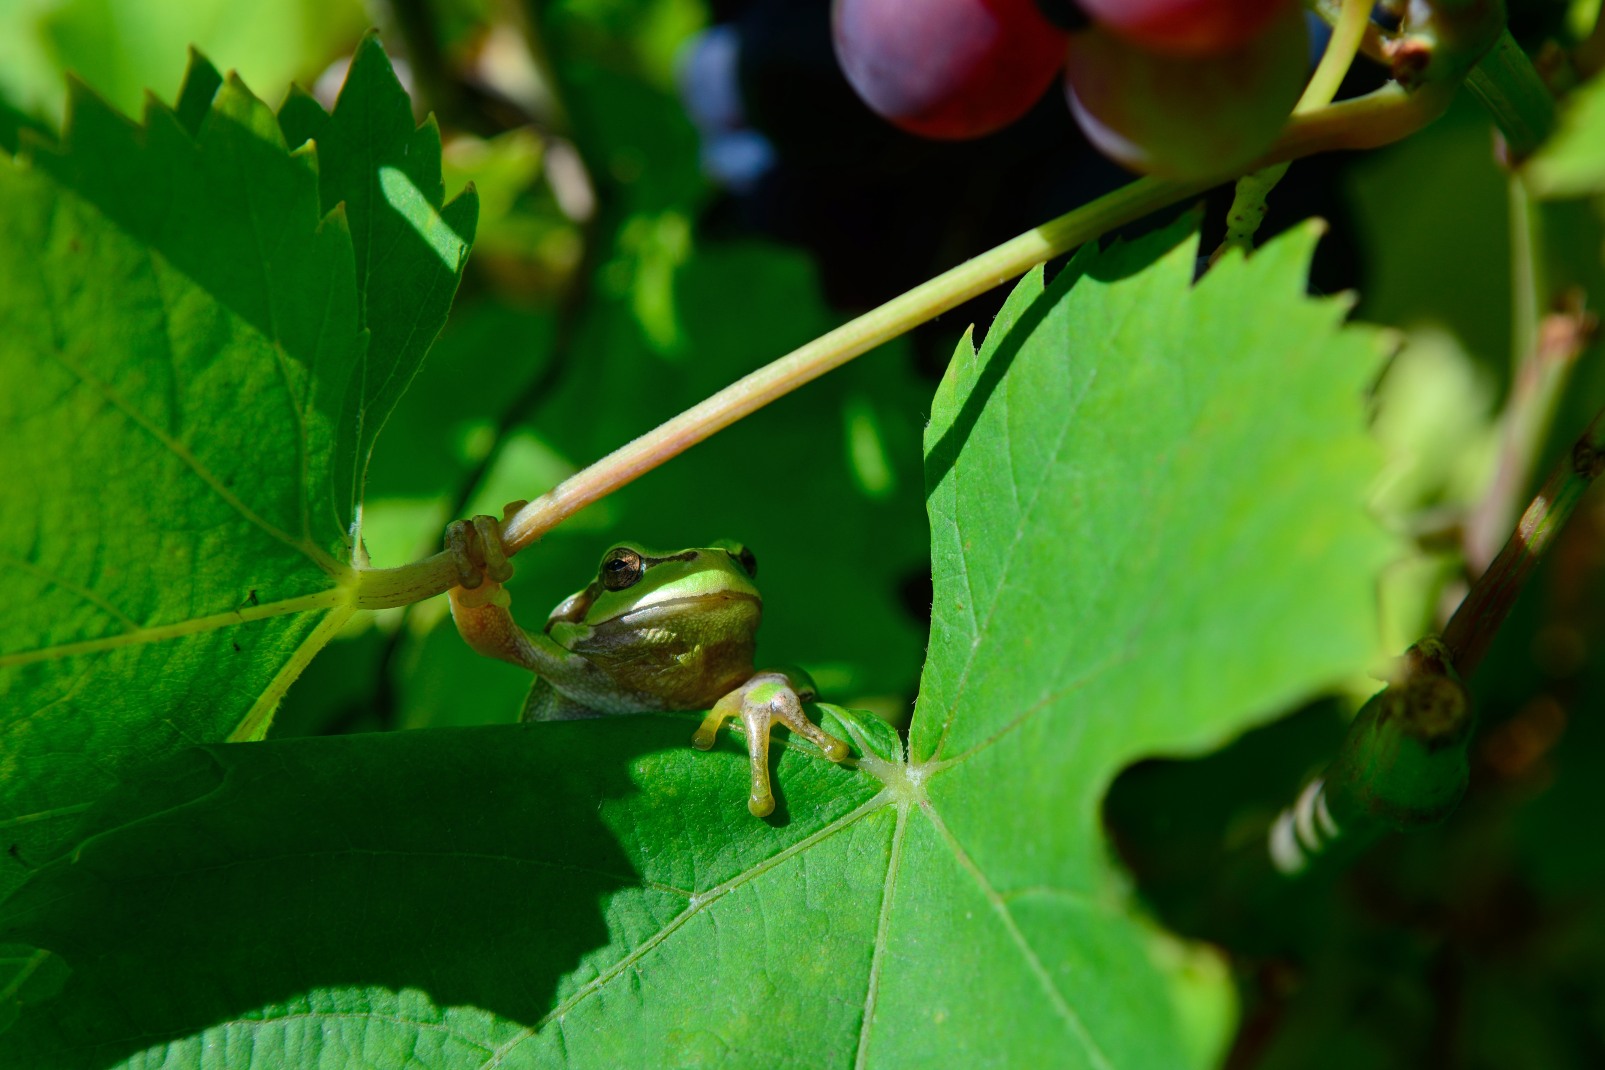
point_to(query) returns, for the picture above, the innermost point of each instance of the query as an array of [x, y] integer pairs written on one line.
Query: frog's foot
[[476, 550], [479, 602], [766, 698]]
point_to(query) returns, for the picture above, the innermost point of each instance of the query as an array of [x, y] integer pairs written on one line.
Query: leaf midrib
[[328, 598]]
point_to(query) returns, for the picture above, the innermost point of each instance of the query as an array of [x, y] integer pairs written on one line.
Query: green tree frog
[[652, 631]]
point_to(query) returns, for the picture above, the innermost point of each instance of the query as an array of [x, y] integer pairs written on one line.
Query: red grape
[[1185, 27], [1186, 116], [947, 68]]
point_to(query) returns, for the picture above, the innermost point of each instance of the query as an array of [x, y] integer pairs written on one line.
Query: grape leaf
[[1437, 255], [181, 378], [1112, 532], [1572, 162], [479, 878], [1146, 503], [386, 172]]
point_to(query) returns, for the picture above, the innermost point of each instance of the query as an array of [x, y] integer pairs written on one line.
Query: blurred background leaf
[[126, 48]]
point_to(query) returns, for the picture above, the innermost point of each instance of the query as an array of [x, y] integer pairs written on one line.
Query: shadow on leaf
[[474, 865]]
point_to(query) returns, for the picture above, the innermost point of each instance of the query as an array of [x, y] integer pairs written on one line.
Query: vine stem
[[1373, 41], [1248, 208], [1403, 763], [837, 347], [1471, 629], [1539, 381], [1381, 117], [1544, 346], [1354, 16]]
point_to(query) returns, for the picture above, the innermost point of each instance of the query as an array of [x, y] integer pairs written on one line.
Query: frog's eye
[[621, 568], [748, 561]]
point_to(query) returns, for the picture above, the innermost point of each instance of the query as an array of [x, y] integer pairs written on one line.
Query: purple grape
[[947, 69]]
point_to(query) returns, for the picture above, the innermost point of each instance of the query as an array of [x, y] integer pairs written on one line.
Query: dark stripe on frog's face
[[683, 555], [637, 584]]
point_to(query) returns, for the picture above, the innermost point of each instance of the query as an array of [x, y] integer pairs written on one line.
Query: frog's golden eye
[[621, 568], [748, 561]]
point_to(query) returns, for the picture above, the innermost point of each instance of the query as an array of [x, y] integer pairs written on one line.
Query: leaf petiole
[[1473, 625]]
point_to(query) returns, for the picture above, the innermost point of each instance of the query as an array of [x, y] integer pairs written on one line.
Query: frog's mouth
[[700, 603]]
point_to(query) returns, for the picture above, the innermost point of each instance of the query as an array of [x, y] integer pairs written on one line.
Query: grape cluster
[[1175, 87]]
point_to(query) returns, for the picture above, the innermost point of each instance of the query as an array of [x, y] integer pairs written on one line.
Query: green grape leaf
[[443, 892], [1146, 500], [185, 359], [1436, 256], [1130, 490], [1572, 162], [386, 172]]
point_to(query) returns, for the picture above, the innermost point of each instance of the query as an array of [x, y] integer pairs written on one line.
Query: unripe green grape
[[1186, 116]]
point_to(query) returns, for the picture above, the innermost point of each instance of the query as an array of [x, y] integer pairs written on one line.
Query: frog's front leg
[[481, 606], [766, 698]]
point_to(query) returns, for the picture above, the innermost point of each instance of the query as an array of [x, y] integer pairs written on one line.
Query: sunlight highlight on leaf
[[422, 216]]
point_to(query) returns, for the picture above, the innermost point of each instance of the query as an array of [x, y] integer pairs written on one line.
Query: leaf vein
[[1122, 655], [44, 815], [8, 991], [698, 902], [882, 926], [1000, 906], [193, 463], [1022, 522], [328, 598], [85, 593]]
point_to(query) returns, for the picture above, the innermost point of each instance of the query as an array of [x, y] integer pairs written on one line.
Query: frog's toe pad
[[766, 699], [476, 550]]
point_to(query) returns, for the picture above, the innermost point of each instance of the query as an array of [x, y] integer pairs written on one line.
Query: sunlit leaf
[[190, 395]]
